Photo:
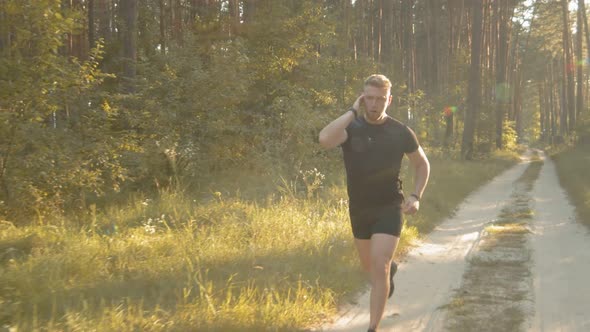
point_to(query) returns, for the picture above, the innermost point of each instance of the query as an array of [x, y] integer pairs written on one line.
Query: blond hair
[[378, 81]]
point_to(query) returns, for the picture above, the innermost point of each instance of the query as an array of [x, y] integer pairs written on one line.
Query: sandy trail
[[561, 255], [429, 273]]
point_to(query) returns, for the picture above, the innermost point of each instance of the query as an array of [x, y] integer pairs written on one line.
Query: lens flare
[[449, 110]]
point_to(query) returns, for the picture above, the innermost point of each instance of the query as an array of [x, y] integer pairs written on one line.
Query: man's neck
[[380, 120]]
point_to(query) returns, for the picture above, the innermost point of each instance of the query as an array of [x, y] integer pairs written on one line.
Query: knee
[[380, 264]]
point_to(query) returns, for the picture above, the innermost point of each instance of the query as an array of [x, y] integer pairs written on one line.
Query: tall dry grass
[[176, 263]]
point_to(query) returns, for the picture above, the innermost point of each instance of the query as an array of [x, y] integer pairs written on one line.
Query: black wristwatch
[[416, 197], [354, 112]]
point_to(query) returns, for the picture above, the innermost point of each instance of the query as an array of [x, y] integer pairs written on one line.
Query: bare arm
[[334, 133], [421, 167]]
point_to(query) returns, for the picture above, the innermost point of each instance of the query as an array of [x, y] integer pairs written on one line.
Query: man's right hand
[[357, 102], [335, 133]]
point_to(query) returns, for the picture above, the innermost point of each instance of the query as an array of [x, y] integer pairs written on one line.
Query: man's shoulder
[[396, 124]]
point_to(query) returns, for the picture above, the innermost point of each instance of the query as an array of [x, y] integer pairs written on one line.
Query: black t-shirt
[[372, 156]]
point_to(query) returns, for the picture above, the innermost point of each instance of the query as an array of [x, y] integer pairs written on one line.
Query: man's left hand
[[411, 205]]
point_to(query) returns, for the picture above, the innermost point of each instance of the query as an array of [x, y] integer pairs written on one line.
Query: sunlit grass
[[230, 263], [223, 263], [572, 166], [508, 228]]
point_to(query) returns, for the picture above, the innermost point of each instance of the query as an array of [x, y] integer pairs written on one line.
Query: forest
[[100, 95], [160, 116]]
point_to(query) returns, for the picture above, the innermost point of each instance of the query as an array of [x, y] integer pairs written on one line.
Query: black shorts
[[384, 219]]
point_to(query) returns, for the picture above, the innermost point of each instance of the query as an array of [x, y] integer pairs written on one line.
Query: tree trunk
[[432, 53], [370, 14], [104, 21], [162, 27], [580, 60], [176, 21], [569, 66], [460, 25], [489, 41], [563, 109], [75, 40], [249, 10], [362, 42], [449, 128], [407, 49], [501, 64], [542, 108], [91, 23], [553, 96], [388, 35], [455, 10], [66, 49], [234, 18], [586, 32], [129, 14], [474, 89]]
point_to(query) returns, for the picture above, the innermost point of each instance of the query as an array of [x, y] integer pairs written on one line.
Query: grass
[[224, 263], [571, 164], [232, 265], [508, 228]]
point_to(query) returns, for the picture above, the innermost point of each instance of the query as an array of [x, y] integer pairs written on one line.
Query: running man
[[373, 146]]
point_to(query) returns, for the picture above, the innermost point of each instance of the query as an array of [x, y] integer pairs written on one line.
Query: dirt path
[[554, 281], [429, 274], [561, 253]]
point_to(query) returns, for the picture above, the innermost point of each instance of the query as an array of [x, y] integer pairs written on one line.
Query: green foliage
[[53, 119], [547, 35], [213, 103], [242, 103], [510, 136], [191, 113]]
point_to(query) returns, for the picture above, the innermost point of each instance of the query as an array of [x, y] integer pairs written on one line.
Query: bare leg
[[382, 248], [364, 249]]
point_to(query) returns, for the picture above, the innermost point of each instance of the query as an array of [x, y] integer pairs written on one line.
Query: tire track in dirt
[[496, 292], [561, 253]]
